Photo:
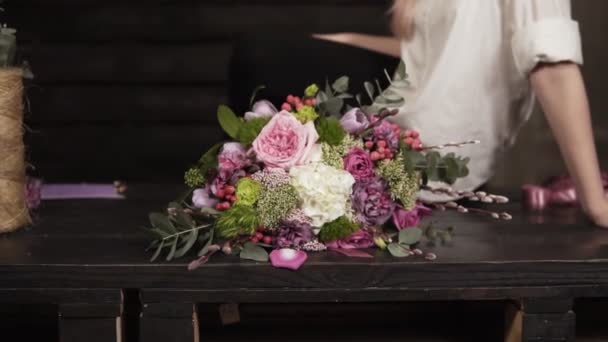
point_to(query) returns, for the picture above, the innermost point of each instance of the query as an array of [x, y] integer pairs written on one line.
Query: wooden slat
[[187, 22], [124, 103], [129, 63], [88, 152]]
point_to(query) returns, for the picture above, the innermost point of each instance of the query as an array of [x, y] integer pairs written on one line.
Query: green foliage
[[254, 252], [177, 231], [193, 178], [434, 166], [337, 229], [330, 131], [255, 93], [434, 234], [275, 204], [306, 114], [250, 130], [398, 250], [238, 220], [248, 191], [403, 184], [410, 236], [341, 84], [229, 122]]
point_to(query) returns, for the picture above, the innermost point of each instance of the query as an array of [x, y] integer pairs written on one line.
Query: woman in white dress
[[475, 67]]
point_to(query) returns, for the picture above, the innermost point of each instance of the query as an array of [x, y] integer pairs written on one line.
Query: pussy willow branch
[[383, 115], [451, 144]]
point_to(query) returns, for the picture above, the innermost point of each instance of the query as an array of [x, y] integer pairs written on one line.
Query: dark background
[[128, 89]]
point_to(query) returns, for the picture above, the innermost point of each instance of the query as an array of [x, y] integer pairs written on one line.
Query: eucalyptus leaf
[[378, 86], [369, 88], [205, 248], [358, 98], [410, 236], [254, 252], [432, 163], [162, 222], [255, 94], [328, 90], [190, 241], [398, 250], [158, 249], [401, 70], [321, 97], [341, 84], [345, 96], [173, 249], [332, 107], [229, 122]]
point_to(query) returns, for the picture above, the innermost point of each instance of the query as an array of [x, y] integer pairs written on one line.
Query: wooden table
[[82, 255]]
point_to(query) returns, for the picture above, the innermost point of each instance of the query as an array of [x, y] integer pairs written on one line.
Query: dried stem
[[451, 144]]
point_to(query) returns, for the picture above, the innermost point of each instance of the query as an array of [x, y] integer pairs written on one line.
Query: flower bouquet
[[317, 174]]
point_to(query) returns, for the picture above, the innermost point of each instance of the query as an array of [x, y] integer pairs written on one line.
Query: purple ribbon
[[557, 191]]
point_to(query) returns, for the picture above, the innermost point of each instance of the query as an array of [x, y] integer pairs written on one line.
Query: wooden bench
[[82, 255]]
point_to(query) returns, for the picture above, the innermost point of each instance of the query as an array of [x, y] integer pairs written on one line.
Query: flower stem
[[186, 231]]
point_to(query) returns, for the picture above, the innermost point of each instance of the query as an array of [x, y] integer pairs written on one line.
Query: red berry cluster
[[261, 236], [412, 139], [379, 150], [296, 102], [228, 197]]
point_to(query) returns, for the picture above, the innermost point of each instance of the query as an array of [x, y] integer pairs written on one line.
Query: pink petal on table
[[353, 253], [288, 258]]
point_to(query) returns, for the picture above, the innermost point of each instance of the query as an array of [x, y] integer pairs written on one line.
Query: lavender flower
[[293, 234], [354, 121], [372, 202]]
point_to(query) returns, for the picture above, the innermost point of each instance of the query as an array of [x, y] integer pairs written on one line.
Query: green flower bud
[[247, 191], [311, 90]]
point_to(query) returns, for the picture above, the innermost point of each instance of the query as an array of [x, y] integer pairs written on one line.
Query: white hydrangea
[[323, 190]]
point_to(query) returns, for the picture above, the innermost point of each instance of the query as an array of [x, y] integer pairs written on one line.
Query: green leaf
[[328, 90], [341, 84], [414, 160], [369, 88], [229, 122], [401, 70], [398, 250], [255, 93], [332, 107], [321, 97], [181, 218], [205, 248], [162, 222], [158, 249], [253, 252], [410, 236], [380, 90], [358, 98], [173, 249], [345, 96], [160, 233], [190, 241], [432, 162]]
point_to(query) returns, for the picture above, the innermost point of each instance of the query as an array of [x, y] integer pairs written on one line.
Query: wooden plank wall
[[128, 89]]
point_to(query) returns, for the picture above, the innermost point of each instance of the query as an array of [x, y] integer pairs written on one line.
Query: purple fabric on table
[[79, 191]]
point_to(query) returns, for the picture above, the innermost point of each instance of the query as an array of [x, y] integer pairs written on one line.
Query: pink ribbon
[[559, 191]]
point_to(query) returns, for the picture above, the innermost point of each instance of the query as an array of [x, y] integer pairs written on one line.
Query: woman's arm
[[382, 44], [561, 92]]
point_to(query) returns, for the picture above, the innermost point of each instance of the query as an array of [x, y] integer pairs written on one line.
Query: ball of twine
[[13, 208]]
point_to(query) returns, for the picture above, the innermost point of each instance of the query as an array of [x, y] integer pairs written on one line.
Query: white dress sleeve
[[542, 31]]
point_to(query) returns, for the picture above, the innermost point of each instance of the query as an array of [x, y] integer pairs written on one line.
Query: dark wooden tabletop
[[100, 243]]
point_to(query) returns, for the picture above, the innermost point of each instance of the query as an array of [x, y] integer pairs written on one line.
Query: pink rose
[[233, 156], [358, 163], [284, 142], [406, 219], [358, 240]]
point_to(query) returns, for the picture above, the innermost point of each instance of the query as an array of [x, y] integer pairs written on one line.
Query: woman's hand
[[598, 212], [561, 92]]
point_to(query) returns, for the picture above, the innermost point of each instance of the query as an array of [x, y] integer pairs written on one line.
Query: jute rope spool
[[13, 208]]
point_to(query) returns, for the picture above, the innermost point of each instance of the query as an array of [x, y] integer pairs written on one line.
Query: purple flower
[[372, 202], [261, 109], [410, 218], [201, 198], [364, 238], [233, 156], [387, 132], [354, 121], [32, 192], [294, 234], [225, 177], [358, 163], [288, 258]]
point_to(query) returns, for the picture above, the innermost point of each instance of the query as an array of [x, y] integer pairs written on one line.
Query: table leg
[[90, 323], [547, 320], [168, 322]]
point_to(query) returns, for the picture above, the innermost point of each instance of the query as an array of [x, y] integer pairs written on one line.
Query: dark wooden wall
[[128, 89]]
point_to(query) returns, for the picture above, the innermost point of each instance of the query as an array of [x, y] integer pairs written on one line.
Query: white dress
[[468, 64]]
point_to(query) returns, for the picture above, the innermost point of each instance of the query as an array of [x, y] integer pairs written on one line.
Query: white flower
[[323, 191]]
